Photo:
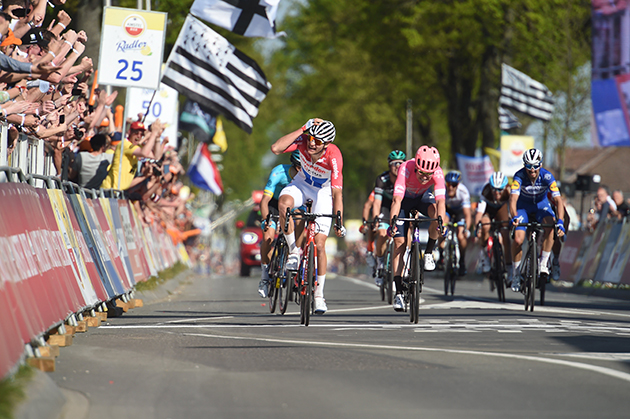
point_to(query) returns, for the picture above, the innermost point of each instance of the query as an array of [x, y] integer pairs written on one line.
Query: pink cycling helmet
[[427, 159]]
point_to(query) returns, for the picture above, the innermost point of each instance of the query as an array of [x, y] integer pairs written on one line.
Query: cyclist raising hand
[[320, 180]]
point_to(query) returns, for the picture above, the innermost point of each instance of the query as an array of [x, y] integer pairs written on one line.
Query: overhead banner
[[610, 87], [512, 149]]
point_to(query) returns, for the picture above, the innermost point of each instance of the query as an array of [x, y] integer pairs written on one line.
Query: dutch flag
[[203, 173]]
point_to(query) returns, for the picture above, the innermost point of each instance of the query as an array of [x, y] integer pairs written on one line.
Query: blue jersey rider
[[528, 197]]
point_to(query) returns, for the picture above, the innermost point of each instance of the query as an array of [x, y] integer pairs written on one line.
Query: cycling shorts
[[492, 212], [384, 224], [273, 210], [540, 210], [420, 203], [300, 191]]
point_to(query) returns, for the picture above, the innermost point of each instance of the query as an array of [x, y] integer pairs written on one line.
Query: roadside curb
[[44, 399]]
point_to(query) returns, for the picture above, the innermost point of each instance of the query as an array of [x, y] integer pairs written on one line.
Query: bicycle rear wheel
[[285, 280], [543, 285], [499, 269], [307, 287], [272, 291], [454, 270], [415, 284], [447, 268]]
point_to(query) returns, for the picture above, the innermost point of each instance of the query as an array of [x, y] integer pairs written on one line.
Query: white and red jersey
[[408, 185], [325, 172]]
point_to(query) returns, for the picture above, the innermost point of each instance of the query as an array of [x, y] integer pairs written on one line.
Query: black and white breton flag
[[206, 68], [524, 94], [507, 120], [243, 17]]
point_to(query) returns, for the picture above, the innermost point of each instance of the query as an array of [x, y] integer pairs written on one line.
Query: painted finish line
[[429, 326]]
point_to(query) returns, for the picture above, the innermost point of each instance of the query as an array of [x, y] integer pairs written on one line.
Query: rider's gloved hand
[[560, 225], [308, 124], [341, 231], [263, 225], [391, 231], [517, 219], [444, 231], [363, 228]]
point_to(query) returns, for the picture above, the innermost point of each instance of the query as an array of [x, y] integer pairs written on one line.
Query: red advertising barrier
[[47, 271]]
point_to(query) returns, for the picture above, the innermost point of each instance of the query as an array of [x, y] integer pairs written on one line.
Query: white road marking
[[198, 319], [599, 356], [593, 368], [486, 303], [455, 326]]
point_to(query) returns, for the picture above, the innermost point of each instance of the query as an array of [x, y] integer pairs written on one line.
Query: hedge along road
[[212, 350]]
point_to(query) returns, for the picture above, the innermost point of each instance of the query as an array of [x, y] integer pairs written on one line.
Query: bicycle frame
[[529, 262], [496, 255], [414, 288], [305, 286], [451, 258]]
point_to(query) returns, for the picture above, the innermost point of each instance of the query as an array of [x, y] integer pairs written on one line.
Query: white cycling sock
[[319, 291], [515, 267], [544, 258], [290, 237]]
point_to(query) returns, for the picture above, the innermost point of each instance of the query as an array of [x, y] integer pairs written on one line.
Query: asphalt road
[[213, 350]]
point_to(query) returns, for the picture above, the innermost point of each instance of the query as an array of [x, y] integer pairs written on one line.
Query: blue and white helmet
[[498, 180], [532, 156]]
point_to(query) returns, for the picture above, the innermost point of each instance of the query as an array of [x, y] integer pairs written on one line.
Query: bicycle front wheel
[[499, 269], [415, 284], [274, 283], [529, 278], [388, 278], [447, 268], [308, 286]]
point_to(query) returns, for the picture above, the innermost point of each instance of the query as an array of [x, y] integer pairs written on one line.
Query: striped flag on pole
[[507, 120], [207, 69], [524, 94], [243, 17], [203, 173]]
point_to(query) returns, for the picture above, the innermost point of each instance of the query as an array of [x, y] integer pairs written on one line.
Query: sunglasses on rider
[[533, 166], [317, 141], [451, 184], [396, 163], [424, 174]]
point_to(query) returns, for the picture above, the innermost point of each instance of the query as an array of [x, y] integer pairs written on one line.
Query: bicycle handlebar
[[311, 216]]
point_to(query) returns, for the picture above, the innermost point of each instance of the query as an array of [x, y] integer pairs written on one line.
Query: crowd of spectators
[[47, 90], [606, 207]]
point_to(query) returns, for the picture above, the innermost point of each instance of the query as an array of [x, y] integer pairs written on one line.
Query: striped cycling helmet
[[324, 131]]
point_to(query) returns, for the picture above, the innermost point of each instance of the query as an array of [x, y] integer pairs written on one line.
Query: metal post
[[409, 127], [4, 144], [108, 89]]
